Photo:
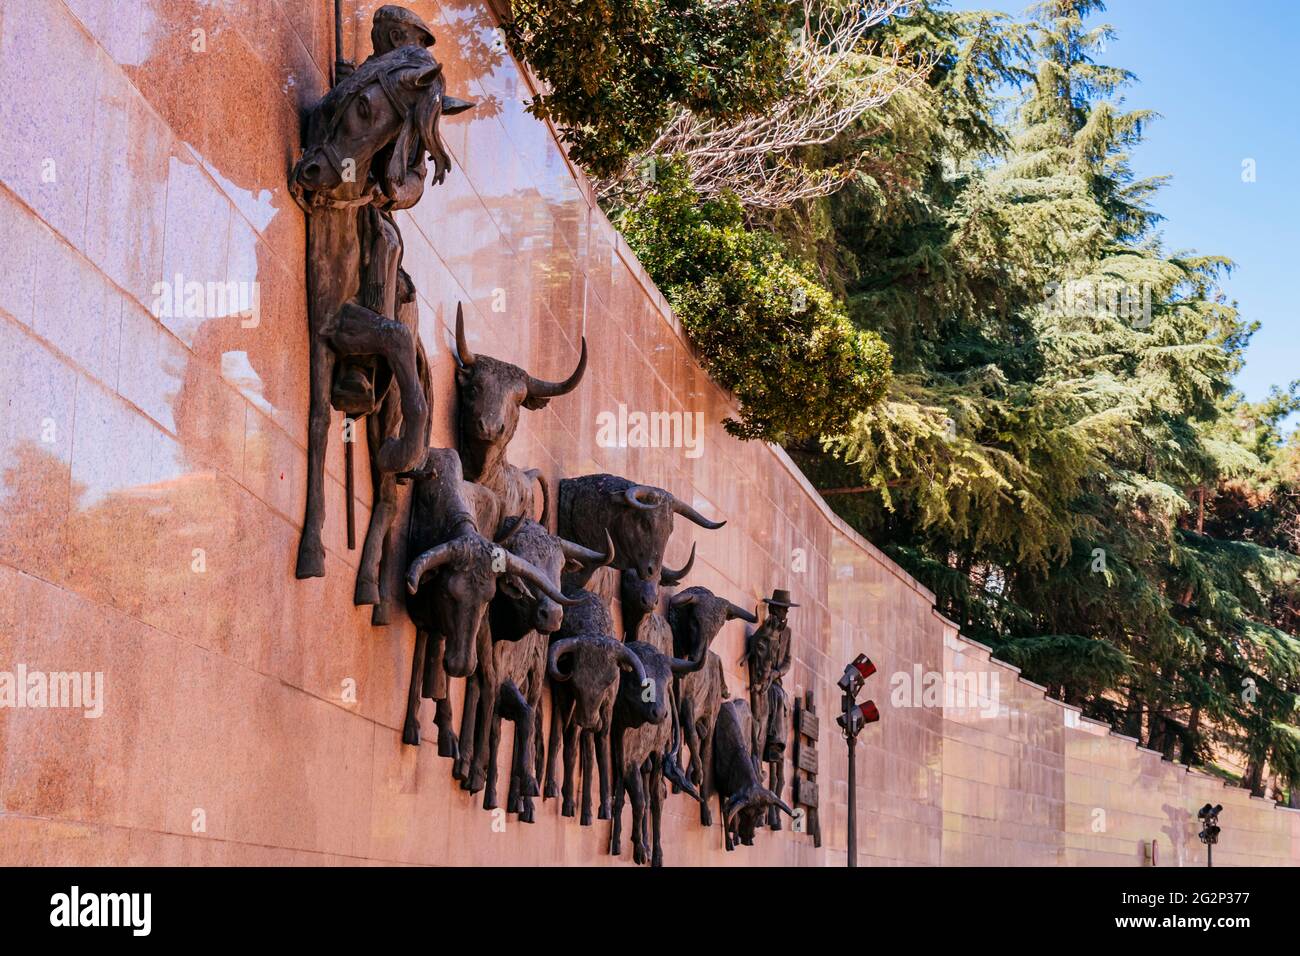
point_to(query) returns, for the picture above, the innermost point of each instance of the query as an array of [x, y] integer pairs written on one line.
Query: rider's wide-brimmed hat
[[395, 14], [780, 598]]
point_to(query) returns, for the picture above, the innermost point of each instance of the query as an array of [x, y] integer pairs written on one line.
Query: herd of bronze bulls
[[499, 600]]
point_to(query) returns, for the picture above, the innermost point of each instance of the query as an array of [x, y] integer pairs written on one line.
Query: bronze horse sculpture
[[360, 143]]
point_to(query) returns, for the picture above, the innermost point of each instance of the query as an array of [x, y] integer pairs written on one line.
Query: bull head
[[593, 668], [696, 616], [491, 393], [466, 571]]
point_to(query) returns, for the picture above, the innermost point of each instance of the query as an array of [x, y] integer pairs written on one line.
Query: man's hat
[[780, 598], [395, 14]]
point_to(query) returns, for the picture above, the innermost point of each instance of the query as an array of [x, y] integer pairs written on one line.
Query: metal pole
[[338, 34], [1209, 854], [853, 789]]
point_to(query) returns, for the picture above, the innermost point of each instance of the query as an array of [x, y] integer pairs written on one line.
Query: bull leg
[[616, 828], [726, 827], [490, 770], [602, 767], [469, 722], [311, 552], [435, 688], [588, 752], [656, 816], [636, 793], [706, 781], [411, 728], [516, 708], [383, 510], [558, 718], [571, 732], [479, 733], [362, 331], [690, 738]]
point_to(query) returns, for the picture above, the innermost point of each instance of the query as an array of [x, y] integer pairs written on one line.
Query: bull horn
[[504, 537], [433, 558], [685, 597], [534, 575], [558, 650], [625, 656], [686, 511], [668, 577], [735, 611], [588, 556], [684, 665], [540, 388], [771, 798], [634, 494], [464, 356]]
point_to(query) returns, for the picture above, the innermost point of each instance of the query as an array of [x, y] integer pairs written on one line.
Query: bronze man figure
[[767, 657]]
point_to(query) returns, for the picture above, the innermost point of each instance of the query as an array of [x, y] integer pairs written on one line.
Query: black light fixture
[[1209, 817], [853, 717]]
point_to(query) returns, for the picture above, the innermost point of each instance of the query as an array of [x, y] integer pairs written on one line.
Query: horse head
[[391, 104]]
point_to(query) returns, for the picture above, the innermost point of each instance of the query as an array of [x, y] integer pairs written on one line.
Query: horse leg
[[616, 828], [311, 552], [516, 708], [411, 728], [362, 331]]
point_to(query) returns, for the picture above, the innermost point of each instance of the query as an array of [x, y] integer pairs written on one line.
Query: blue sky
[[1222, 77]]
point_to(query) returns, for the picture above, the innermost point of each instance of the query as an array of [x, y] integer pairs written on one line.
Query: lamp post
[[1209, 817], [852, 719]]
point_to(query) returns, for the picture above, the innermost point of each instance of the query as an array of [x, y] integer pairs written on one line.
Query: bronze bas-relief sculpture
[[696, 615], [451, 581], [495, 596], [511, 671], [584, 662], [490, 393], [742, 799], [768, 659], [639, 518], [363, 157]]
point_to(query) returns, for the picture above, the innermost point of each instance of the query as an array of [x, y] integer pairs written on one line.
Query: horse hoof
[[311, 561], [366, 592], [526, 813], [411, 734], [567, 810], [529, 788], [585, 821], [476, 782], [381, 615], [551, 791], [448, 746]]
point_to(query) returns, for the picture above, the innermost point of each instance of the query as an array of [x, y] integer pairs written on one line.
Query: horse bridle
[[388, 85]]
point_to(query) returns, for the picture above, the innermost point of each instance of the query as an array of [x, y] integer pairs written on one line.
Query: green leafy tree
[[618, 70], [767, 330]]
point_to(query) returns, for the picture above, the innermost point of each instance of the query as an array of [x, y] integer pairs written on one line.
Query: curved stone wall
[[152, 480]]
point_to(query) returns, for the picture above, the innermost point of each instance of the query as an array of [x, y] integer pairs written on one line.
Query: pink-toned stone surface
[[152, 473]]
